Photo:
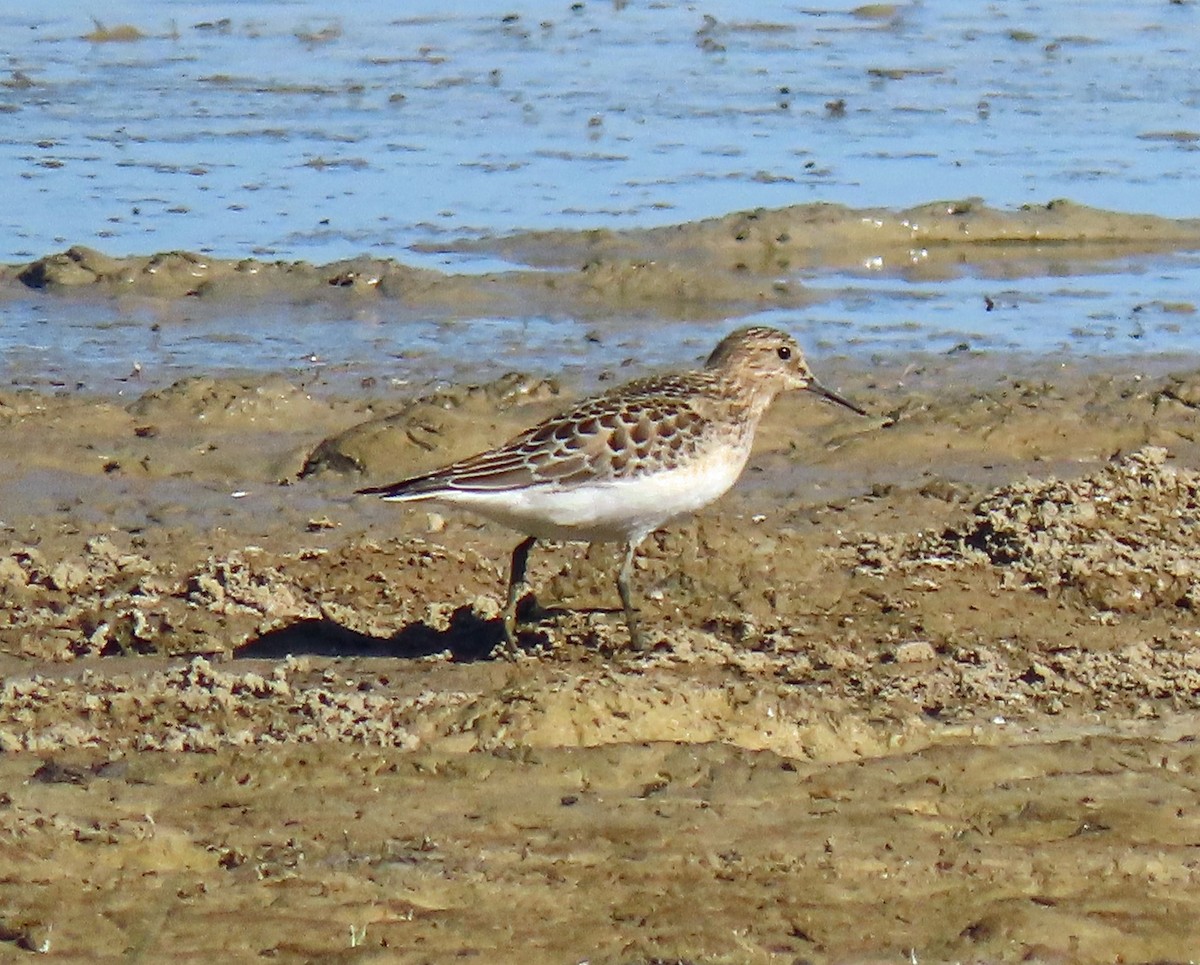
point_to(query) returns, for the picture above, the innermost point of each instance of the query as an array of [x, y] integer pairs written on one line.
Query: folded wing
[[653, 425]]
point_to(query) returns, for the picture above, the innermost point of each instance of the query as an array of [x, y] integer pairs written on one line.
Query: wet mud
[[896, 700], [707, 269]]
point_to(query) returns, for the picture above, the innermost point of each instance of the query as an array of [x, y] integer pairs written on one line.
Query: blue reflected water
[[282, 130], [271, 128]]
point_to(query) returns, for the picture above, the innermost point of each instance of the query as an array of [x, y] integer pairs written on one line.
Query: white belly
[[607, 511]]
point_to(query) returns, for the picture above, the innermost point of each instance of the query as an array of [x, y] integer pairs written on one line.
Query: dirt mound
[[1123, 537], [435, 429]]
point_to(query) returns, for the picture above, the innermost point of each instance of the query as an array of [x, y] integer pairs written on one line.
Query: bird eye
[[784, 352]]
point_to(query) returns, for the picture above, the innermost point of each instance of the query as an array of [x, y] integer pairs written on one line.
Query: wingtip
[[376, 490], [403, 490]]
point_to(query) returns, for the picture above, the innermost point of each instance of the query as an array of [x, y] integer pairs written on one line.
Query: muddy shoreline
[[706, 269], [925, 684]]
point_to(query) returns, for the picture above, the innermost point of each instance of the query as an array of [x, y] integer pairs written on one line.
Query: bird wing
[[641, 427]]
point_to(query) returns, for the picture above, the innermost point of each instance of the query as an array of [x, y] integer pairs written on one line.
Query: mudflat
[[924, 686]]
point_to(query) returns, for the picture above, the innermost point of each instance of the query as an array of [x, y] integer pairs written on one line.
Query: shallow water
[[1128, 307], [283, 130], [111, 349], [225, 131], [1133, 308]]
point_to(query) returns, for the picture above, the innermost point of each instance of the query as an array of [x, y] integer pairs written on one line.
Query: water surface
[[291, 130]]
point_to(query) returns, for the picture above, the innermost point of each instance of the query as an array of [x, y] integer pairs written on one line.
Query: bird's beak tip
[[832, 396]]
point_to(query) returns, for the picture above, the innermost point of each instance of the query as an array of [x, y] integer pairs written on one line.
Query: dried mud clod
[[198, 707], [109, 601], [1122, 538]]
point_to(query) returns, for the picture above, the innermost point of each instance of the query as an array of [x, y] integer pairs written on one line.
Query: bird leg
[[623, 575], [516, 580]]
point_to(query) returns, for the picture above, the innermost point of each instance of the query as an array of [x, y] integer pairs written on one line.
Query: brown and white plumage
[[615, 467]]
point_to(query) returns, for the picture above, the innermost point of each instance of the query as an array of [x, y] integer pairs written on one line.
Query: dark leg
[[516, 580], [623, 575]]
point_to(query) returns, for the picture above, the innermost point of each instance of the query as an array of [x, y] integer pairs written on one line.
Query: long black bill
[[817, 389]]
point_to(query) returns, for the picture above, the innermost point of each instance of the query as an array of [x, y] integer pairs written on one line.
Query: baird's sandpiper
[[615, 467]]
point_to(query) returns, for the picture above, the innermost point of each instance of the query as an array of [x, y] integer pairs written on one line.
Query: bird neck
[[754, 395]]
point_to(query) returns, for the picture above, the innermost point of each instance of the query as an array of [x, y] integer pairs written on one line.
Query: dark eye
[[784, 352]]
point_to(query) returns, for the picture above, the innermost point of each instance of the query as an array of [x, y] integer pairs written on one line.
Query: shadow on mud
[[466, 638]]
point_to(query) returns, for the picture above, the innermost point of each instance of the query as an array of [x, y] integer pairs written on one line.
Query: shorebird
[[615, 467]]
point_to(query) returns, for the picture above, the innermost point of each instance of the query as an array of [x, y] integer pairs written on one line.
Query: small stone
[[915, 651]]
